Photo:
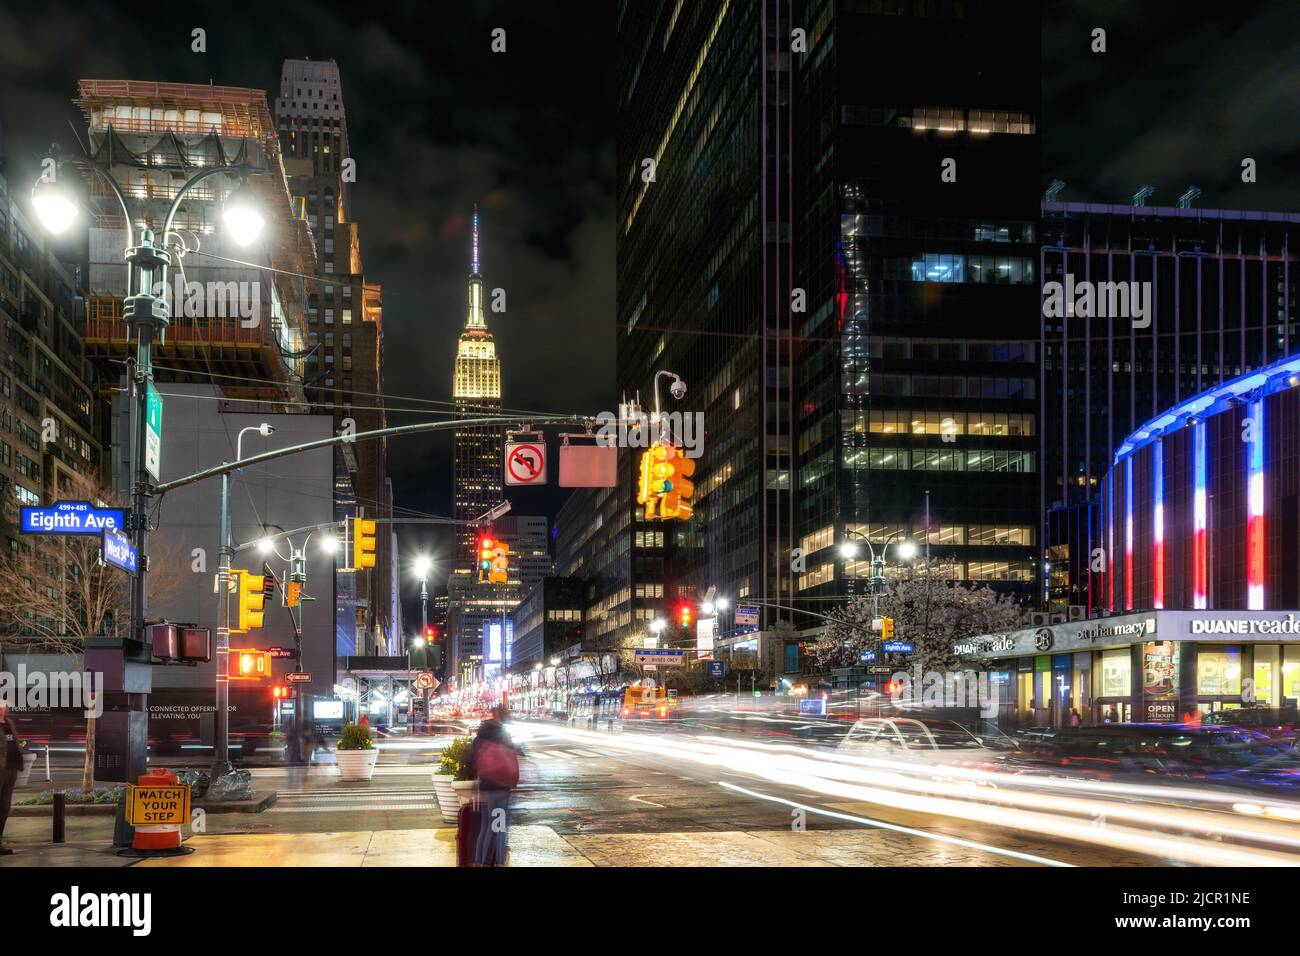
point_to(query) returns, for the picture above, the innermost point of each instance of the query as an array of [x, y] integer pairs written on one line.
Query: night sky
[[436, 123], [1184, 92]]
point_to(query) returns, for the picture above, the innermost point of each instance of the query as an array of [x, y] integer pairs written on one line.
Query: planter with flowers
[[451, 781], [356, 754]]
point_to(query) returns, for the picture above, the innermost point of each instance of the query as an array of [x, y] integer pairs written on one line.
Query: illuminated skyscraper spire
[[474, 264], [475, 319]]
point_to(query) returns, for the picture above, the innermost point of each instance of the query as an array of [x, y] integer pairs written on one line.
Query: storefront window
[[1291, 673], [1116, 678], [1268, 677], [1218, 671]]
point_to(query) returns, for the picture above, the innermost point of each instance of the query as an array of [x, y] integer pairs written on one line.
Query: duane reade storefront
[[1150, 667]]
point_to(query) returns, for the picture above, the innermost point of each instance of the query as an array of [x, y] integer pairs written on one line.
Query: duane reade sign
[[1247, 626]]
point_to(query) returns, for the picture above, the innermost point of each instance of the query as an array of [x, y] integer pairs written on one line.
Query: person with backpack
[[494, 763]]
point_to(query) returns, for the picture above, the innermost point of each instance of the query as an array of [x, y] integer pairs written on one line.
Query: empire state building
[[476, 390]]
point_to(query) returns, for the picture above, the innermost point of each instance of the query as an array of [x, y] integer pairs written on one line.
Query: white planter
[[465, 790], [447, 801], [29, 761], [356, 764]]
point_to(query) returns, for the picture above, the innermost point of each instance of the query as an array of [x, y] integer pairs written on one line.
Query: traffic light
[[281, 692], [268, 584], [886, 628], [293, 594], [500, 563], [664, 486], [249, 664], [430, 634], [252, 599], [684, 616], [484, 559], [363, 543], [671, 472]]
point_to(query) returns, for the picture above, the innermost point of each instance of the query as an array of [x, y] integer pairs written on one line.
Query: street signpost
[[746, 615], [117, 550], [526, 463], [717, 668], [71, 517], [867, 656], [898, 647], [297, 677], [426, 681], [282, 653], [153, 433]]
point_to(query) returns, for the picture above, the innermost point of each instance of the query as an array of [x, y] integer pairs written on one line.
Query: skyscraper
[[345, 341], [915, 239], [476, 390]]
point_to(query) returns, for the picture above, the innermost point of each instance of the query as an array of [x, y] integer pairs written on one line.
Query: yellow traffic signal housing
[[485, 552], [363, 543], [664, 484], [645, 495], [886, 628], [293, 594], [500, 570], [252, 600], [672, 472]]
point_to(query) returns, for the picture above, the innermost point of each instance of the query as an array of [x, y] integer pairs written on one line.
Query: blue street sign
[[867, 656], [71, 517], [118, 552], [717, 668], [898, 647]]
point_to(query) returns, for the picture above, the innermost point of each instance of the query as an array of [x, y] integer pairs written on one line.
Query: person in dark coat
[[493, 794], [11, 762]]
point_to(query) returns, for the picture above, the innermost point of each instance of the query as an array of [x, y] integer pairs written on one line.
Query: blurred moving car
[[1219, 754], [929, 737], [1276, 722]]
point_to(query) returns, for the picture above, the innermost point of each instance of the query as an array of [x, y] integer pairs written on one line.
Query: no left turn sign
[[526, 463]]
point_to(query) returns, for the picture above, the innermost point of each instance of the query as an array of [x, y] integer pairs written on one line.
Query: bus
[[646, 702]]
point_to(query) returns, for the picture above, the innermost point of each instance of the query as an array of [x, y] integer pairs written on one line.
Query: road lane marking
[[636, 797], [882, 825]]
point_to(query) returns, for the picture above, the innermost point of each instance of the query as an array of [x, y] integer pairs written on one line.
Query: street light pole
[[221, 731]]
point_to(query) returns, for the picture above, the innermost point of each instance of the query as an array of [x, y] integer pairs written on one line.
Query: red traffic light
[[430, 633]]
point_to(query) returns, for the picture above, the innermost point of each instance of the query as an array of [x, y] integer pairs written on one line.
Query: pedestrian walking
[[11, 763], [1075, 719], [494, 763]]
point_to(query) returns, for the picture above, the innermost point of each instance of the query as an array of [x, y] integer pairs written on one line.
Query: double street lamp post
[[146, 315], [849, 551]]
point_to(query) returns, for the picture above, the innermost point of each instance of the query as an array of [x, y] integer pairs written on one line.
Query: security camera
[[678, 389]]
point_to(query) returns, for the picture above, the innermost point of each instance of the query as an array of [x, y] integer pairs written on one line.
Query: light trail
[[883, 825], [1007, 804]]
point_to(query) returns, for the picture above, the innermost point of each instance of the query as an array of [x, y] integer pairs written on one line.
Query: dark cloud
[[1183, 94]]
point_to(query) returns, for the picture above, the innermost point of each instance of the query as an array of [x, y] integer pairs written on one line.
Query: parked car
[[1276, 722]]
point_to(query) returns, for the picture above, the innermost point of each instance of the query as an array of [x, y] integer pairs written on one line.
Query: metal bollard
[[60, 814]]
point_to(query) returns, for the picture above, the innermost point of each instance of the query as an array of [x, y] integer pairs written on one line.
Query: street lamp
[[55, 205], [905, 549], [242, 216], [423, 565]]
